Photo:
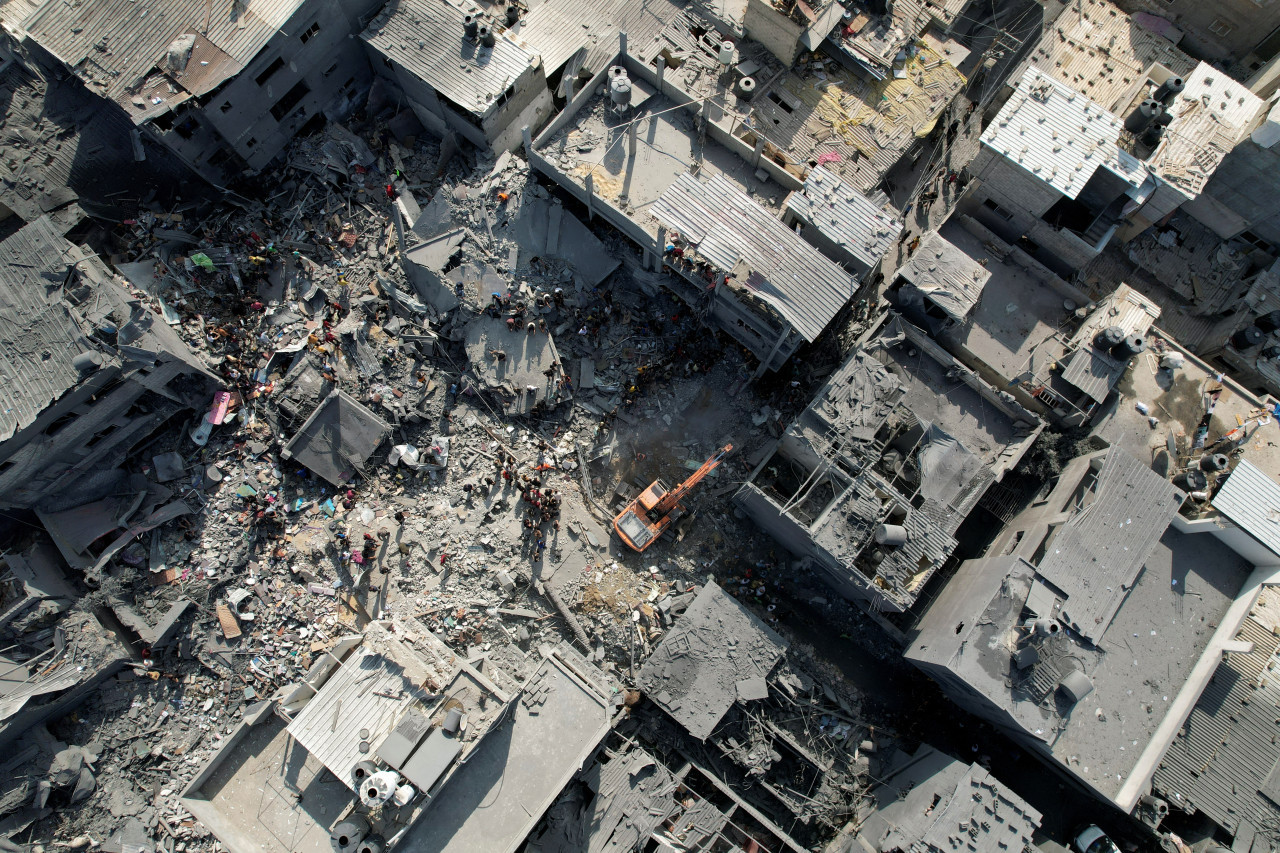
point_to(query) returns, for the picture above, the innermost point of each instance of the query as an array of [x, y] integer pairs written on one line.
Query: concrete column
[[591, 193], [528, 142], [662, 70], [759, 151], [622, 43], [765, 362], [631, 138]]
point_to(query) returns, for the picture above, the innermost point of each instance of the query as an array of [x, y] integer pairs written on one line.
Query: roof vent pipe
[[1145, 113], [470, 26], [487, 38], [1169, 90]]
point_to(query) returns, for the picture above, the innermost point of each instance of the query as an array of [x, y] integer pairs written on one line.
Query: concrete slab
[[523, 366]]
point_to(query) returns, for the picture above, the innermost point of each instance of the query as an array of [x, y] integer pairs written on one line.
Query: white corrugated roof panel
[[1059, 135], [845, 216], [1251, 499], [425, 37]]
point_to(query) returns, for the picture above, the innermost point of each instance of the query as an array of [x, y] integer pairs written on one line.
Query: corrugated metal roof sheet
[[949, 277], [557, 29], [728, 226], [1099, 551], [845, 216], [1251, 499], [114, 44], [366, 691], [1227, 748], [425, 37], [1097, 49], [38, 335], [1060, 136], [1093, 372]]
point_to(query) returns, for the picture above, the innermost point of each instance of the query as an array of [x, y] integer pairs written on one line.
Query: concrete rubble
[[310, 482]]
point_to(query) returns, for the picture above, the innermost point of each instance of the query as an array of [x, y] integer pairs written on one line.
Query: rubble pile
[[365, 463]]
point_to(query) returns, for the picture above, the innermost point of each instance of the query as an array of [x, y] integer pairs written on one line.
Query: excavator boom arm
[[671, 498]]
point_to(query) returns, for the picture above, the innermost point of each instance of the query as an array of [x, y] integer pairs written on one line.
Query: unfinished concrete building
[[875, 477], [87, 373], [225, 89], [458, 71], [1098, 616], [713, 225]]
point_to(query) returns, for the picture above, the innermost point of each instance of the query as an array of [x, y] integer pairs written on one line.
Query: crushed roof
[[115, 45], [338, 438], [944, 273], [845, 216], [40, 335], [1223, 763], [934, 803], [1093, 371], [1060, 135], [1251, 500], [1099, 551], [728, 226], [694, 672], [1209, 117], [425, 37], [858, 399]]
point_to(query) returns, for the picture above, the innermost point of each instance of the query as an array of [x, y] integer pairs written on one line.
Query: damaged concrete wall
[[775, 31], [311, 66]]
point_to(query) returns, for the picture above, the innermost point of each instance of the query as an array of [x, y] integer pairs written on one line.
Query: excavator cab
[[645, 518]]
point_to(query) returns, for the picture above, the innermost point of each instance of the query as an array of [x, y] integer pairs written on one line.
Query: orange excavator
[[646, 518]]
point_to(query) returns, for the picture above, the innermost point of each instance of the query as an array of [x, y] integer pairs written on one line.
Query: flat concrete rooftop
[[1016, 321], [595, 142]]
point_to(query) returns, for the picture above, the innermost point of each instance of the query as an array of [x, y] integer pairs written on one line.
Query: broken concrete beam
[[569, 618]]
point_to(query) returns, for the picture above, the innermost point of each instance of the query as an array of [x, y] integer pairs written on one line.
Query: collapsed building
[[930, 801], [224, 90], [89, 373], [873, 479]]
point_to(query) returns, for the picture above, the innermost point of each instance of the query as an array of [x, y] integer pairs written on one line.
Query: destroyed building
[[89, 372], [929, 801], [873, 479], [225, 89], [1097, 617], [717, 232]]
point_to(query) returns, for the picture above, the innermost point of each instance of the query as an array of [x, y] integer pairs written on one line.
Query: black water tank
[[1247, 338], [1191, 480], [1142, 115], [470, 26], [1169, 90], [1214, 462], [1151, 136], [513, 15], [1129, 347], [1268, 322], [1109, 338]]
